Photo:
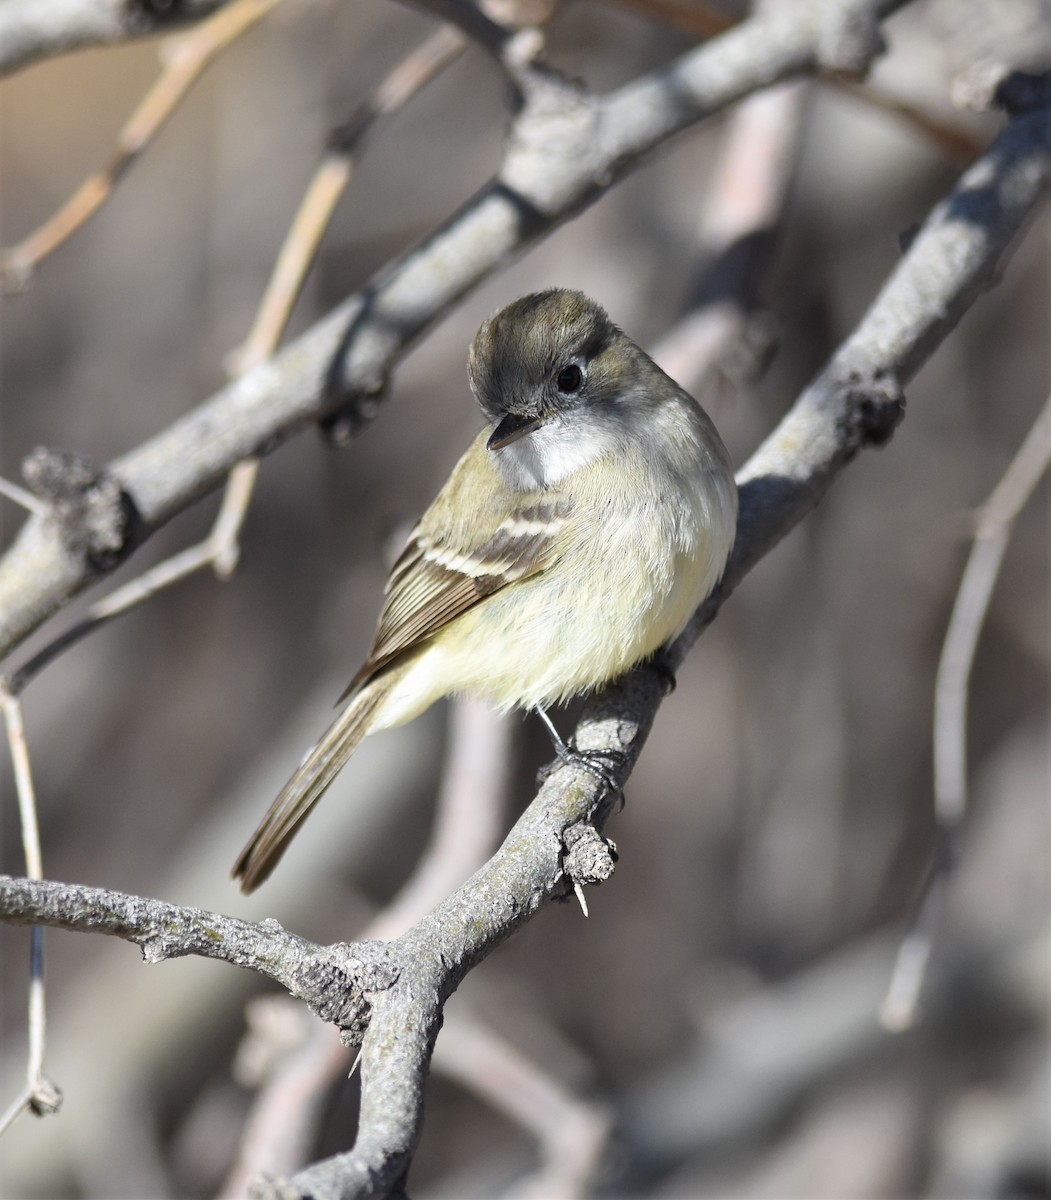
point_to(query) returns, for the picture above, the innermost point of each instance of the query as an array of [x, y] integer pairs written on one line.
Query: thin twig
[[26, 499], [299, 250], [16, 740], [510, 46], [183, 58], [956, 141], [40, 1094], [219, 550], [951, 694], [300, 246], [224, 542], [148, 584], [1025, 471]]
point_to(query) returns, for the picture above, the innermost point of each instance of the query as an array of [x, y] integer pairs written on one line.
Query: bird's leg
[[561, 749], [590, 760]]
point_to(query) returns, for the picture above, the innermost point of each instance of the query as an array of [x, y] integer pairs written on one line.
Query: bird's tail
[[306, 787]]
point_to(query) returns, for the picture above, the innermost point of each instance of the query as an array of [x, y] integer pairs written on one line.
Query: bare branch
[[855, 402], [573, 1133], [953, 138], [39, 1095], [30, 30], [331, 980], [951, 695], [308, 226]]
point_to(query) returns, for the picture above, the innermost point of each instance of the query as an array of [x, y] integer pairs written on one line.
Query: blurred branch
[[953, 138], [704, 21], [758, 1057], [737, 232], [573, 1133], [951, 693], [565, 148], [511, 46], [30, 30], [286, 1058], [40, 1096], [468, 818], [184, 59]]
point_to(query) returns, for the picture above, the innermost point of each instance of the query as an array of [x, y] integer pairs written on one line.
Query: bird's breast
[[628, 579]]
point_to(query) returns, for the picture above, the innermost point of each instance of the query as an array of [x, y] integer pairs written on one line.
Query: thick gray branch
[[857, 400], [565, 147], [35, 29]]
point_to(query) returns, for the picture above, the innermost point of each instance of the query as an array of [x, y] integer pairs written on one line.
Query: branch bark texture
[[332, 980]]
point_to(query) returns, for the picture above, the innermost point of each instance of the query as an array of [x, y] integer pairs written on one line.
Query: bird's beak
[[510, 429]]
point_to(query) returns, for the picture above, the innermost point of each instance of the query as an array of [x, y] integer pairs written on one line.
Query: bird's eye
[[569, 378]]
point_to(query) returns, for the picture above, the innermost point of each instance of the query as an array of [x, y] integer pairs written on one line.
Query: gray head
[[544, 355]]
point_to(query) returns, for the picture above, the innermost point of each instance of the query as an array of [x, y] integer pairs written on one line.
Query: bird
[[585, 523]]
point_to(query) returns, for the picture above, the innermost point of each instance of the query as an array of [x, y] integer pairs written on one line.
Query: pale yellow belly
[[601, 609]]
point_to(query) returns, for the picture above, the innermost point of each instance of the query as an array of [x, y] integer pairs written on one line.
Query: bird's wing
[[447, 568]]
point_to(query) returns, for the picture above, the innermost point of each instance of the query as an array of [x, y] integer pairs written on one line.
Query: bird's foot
[[604, 765]]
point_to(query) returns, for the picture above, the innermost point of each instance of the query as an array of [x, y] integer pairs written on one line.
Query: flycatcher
[[578, 533]]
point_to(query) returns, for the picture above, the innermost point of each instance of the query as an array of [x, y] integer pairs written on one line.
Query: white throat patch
[[545, 457]]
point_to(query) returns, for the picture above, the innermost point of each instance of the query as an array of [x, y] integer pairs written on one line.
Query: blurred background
[[717, 1015]]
